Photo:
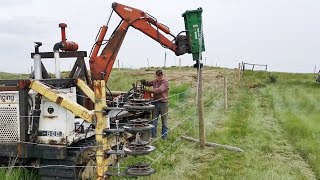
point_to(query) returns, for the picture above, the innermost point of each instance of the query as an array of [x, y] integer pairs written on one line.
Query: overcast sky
[[281, 33]]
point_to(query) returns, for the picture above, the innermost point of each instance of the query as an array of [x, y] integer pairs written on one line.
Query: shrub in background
[[272, 78]]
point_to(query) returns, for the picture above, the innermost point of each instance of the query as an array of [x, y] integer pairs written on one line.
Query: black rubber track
[[63, 172]]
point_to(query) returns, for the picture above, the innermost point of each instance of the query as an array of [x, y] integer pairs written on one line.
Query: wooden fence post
[[201, 111], [225, 92], [234, 79], [239, 72]]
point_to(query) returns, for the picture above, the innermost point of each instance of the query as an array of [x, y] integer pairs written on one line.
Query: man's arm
[[162, 88]]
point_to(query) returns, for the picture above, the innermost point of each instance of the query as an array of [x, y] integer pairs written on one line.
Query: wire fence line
[[171, 129], [177, 125], [172, 144], [180, 107], [77, 166], [148, 102], [82, 147], [175, 94], [188, 117], [184, 105]]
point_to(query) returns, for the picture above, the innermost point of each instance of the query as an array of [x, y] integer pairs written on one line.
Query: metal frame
[[79, 70], [45, 74], [22, 150], [15, 85], [24, 112], [75, 108], [85, 89], [68, 54], [79, 76]]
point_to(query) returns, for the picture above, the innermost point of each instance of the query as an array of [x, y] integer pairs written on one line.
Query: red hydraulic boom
[[101, 65]]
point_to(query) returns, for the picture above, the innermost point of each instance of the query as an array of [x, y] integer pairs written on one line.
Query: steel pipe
[[57, 64]]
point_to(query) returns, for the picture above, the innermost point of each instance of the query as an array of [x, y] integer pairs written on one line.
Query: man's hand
[[143, 81]]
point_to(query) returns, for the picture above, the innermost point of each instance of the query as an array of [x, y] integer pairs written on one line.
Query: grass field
[[276, 124]]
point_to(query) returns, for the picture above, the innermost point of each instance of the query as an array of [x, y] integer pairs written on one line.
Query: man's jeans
[[160, 111]]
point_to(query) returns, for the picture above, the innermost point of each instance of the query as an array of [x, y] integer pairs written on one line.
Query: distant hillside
[[5, 75]]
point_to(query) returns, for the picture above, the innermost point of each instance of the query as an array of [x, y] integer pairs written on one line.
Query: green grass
[[276, 124], [255, 123], [299, 111], [18, 174], [5, 75]]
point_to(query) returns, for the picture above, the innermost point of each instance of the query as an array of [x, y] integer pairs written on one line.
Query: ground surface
[[276, 124]]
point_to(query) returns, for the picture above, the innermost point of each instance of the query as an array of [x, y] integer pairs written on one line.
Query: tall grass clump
[[272, 78], [299, 116], [18, 174], [178, 93]]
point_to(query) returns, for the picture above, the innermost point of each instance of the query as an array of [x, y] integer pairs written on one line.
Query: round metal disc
[[144, 150], [141, 100], [135, 107], [140, 170], [130, 128], [139, 143], [139, 121]]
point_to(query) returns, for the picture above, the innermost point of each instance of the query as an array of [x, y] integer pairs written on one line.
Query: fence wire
[[182, 106]]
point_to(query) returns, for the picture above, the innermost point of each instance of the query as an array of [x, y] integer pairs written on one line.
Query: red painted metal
[[98, 44], [63, 31], [67, 45], [101, 65], [70, 46]]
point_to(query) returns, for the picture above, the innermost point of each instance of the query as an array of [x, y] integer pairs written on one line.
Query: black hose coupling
[[198, 65], [36, 47]]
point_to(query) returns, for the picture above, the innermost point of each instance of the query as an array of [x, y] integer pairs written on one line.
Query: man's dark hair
[[159, 72]]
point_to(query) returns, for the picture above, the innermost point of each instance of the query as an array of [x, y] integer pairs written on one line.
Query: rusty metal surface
[[141, 169], [23, 112], [21, 150], [25, 83], [9, 88], [138, 125], [71, 54], [75, 157], [101, 66], [100, 103]]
